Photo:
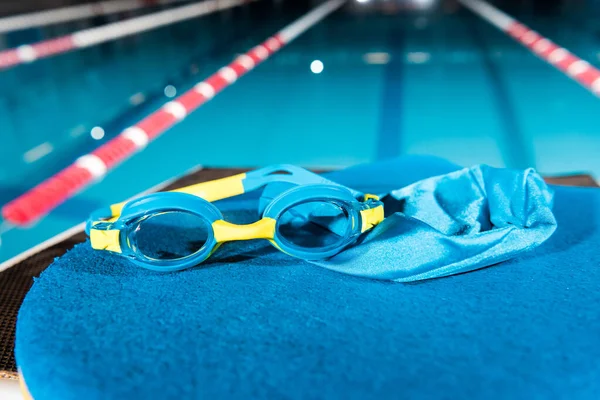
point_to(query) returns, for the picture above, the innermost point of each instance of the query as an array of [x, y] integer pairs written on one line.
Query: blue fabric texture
[[255, 323], [454, 223]]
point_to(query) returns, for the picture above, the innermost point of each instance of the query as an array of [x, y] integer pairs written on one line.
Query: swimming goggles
[[312, 219]]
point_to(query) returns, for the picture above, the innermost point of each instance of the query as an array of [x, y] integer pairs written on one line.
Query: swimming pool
[[436, 80]]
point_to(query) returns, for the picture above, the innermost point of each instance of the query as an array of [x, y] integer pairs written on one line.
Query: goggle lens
[[171, 235], [315, 224]]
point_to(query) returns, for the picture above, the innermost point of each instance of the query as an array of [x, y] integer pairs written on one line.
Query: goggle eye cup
[[315, 226], [170, 236]]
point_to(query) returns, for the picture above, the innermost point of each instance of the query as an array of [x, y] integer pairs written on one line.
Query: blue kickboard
[[255, 323]]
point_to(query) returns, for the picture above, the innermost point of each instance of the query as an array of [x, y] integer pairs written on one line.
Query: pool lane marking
[[90, 37], [206, 90], [246, 61], [60, 187], [229, 74], [93, 164], [137, 136], [390, 117], [176, 109], [571, 65], [73, 13], [596, 86]]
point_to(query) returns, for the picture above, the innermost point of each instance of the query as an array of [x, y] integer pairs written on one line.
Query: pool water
[[436, 81]]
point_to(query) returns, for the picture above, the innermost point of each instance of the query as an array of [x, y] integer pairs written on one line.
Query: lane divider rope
[[73, 13], [571, 65], [46, 196], [90, 37]]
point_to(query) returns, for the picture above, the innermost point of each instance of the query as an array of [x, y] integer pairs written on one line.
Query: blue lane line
[[390, 119], [515, 149]]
